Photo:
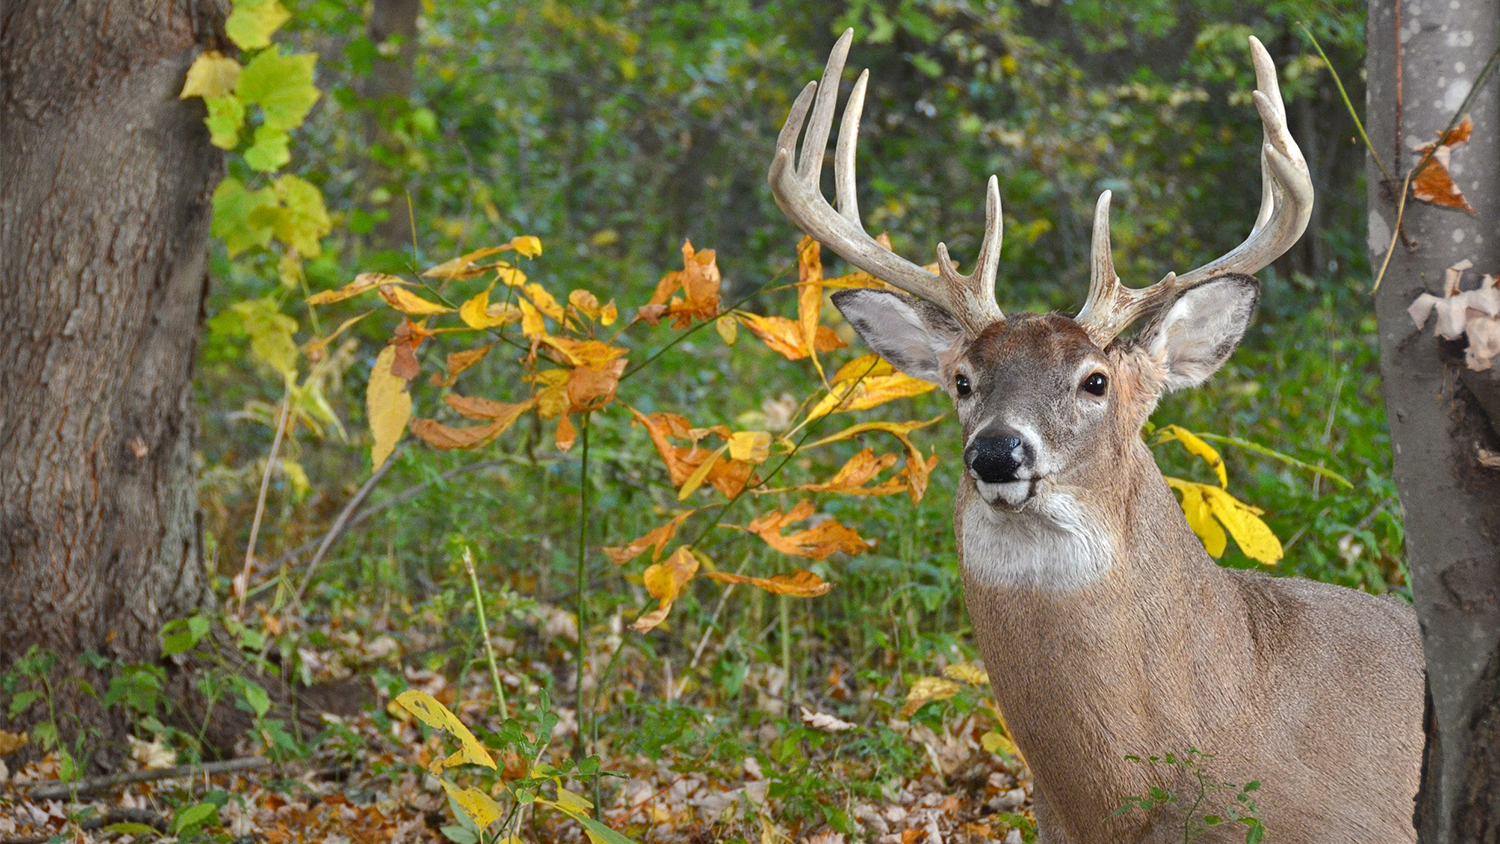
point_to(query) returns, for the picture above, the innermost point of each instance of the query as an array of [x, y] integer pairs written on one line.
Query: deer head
[[1045, 402]]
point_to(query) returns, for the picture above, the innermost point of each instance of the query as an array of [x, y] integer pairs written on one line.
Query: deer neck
[[1105, 627]]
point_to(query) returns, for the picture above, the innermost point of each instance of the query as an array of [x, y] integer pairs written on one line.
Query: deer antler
[[970, 299], [1285, 205]]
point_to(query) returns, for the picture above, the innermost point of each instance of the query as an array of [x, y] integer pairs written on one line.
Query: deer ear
[[910, 333], [1196, 335]]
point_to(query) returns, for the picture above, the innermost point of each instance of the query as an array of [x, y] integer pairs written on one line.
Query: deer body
[[1166, 650], [1107, 629]]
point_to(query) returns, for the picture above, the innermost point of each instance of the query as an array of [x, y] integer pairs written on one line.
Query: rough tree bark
[[106, 180], [1423, 59]]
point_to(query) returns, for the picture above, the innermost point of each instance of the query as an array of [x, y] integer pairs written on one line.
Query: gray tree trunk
[[106, 179], [1423, 59]]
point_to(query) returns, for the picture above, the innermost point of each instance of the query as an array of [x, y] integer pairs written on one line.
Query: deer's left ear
[[1196, 335]]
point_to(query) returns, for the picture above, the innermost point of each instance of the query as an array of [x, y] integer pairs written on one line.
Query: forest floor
[[673, 776]]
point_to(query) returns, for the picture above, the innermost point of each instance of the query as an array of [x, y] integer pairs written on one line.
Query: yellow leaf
[[1196, 447], [315, 349], [995, 741], [476, 311], [869, 392], [573, 804], [810, 296], [434, 714], [657, 538], [212, 74], [510, 274], [862, 366], [900, 429], [1253, 536], [531, 320], [410, 303], [544, 302], [698, 475], [1195, 510], [591, 353], [478, 806], [388, 406], [11, 742], [665, 581], [728, 328], [750, 446], [800, 583], [587, 304], [360, 284], [817, 542], [527, 244], [968, 672], [464, 266], [925, 690]]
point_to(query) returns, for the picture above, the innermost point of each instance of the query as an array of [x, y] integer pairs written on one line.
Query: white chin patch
[[1012, 494]]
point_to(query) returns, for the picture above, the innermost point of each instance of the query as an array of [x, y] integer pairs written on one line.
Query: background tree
[[105, 178], [1442, 397]]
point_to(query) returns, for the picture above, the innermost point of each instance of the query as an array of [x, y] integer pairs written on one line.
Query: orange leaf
[[566, 433], [727, 475], [817, 542], [665, 581], [361, 283], [410, 303], [698, 280], [809, 295], [591, 389], [1434, 184], [785, 336], [800, 583], [917, 469], [459, 361], [591, 353], [655, 539], [445, 437], [852, 477], [472, 407], [544, 302], [587, 304]]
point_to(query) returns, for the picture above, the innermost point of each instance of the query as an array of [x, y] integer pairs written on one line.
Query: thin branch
[[61, 790], [342, 523], [242, 582], [1358, 124]]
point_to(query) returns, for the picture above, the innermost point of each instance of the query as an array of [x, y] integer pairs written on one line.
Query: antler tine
[[1286, 205], [969, 299]]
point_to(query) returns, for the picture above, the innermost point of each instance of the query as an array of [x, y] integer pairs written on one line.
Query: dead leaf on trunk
[[1434, 184]]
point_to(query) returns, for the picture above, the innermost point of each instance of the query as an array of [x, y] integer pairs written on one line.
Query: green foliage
[[1207, 803]]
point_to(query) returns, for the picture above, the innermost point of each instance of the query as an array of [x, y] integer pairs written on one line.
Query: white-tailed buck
[[1107, 628]]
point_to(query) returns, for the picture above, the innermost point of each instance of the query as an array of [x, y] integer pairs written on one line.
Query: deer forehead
[[1027, 352]]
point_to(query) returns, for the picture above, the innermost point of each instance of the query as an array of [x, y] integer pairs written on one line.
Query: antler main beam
[[1285, 206], [970, 299]]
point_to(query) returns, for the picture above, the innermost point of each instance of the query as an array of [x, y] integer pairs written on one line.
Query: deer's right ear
[[910, 333]]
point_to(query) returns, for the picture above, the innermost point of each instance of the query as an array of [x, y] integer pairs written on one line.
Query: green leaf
[[269, 152], [191, 817], [598, 833], [226, 116], [251, 23], [236, 218], [256, 696], [22, 700], [304, 219], [281, 85]]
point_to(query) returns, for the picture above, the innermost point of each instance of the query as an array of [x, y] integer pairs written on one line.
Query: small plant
[[1196, 803]]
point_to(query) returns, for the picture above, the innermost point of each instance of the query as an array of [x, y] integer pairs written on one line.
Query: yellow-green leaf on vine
[[251, 23], [212, 74]]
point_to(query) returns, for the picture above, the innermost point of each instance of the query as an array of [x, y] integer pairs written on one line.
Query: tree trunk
[[389, 89], [106, 179], [1423, 59]]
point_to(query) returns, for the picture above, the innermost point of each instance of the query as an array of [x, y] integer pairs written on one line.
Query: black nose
[[996, 459]]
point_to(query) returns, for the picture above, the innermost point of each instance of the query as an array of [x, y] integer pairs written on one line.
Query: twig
[[113, 816], [1339, 83], [59, 790], [341, 523], [242, 583]]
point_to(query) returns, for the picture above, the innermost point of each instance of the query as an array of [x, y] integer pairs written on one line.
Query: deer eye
[[961, 383], [1096, 383]]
